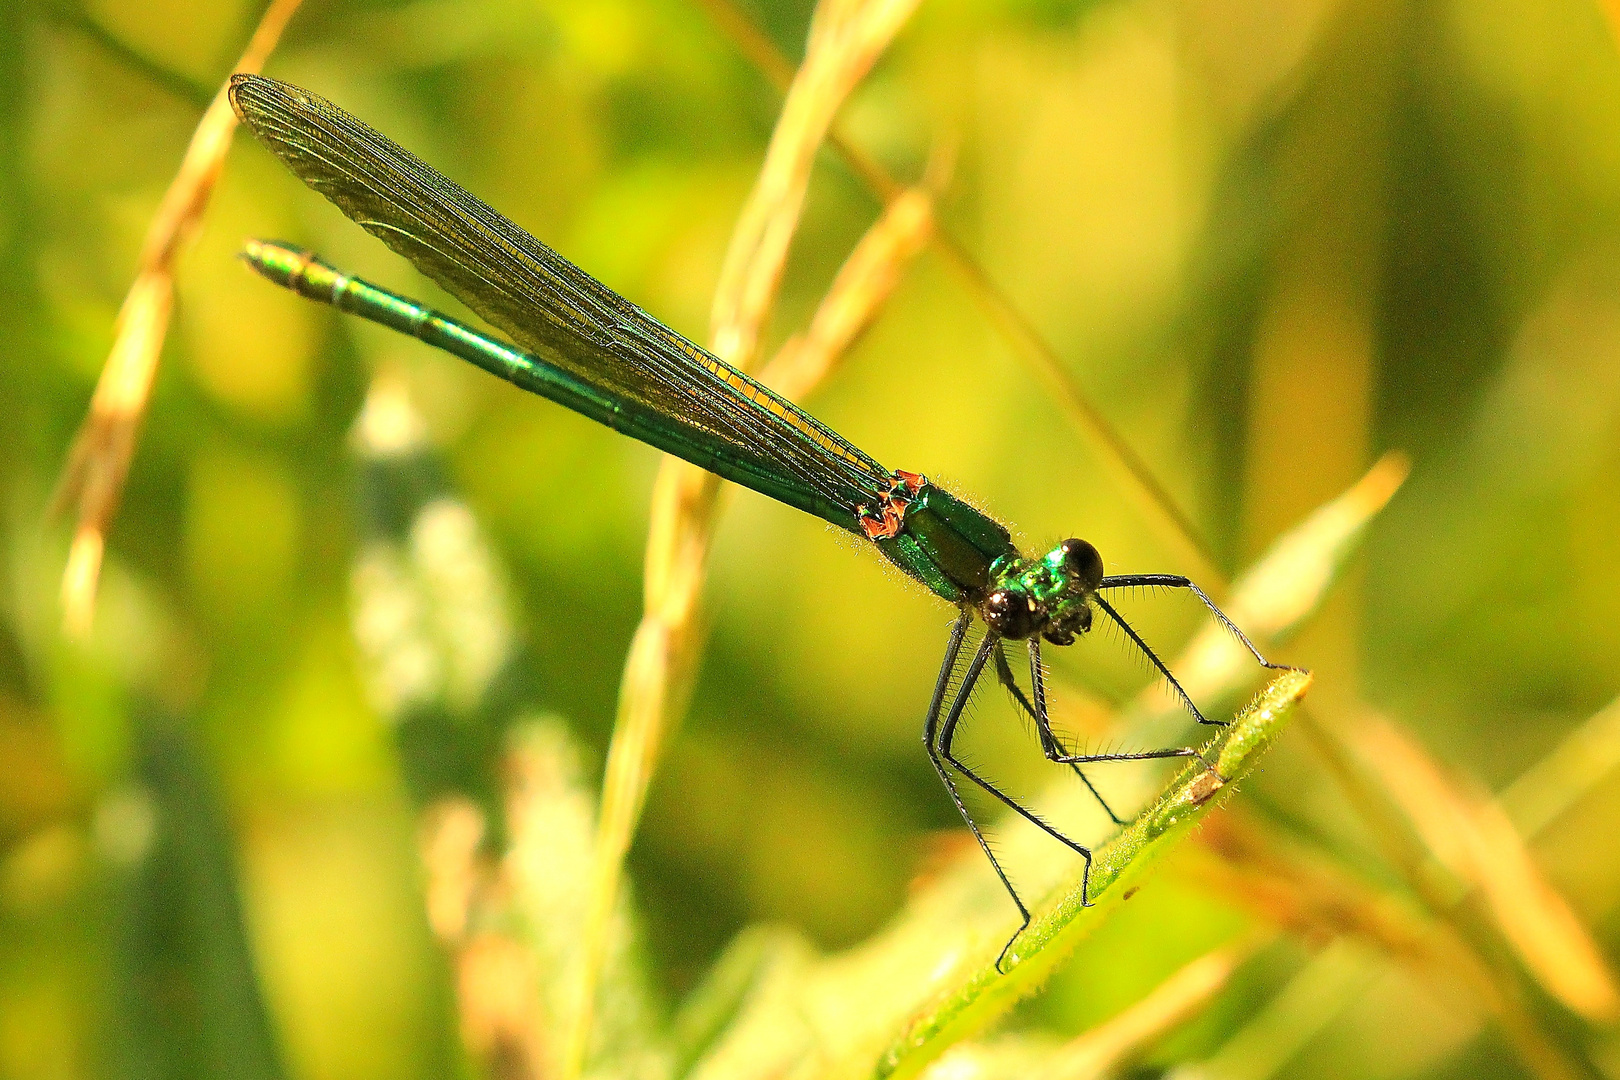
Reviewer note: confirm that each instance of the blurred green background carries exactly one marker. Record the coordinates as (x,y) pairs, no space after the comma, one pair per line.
(1272,238)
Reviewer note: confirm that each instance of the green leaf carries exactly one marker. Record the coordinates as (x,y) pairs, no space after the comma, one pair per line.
(1063,923)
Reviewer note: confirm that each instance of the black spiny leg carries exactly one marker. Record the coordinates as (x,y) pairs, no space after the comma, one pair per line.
(1087,759)
(1176,581)
(1050,746)
(930,741)
(1186,699)
(947,736)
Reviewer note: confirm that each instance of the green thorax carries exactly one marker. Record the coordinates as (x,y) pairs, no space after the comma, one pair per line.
(968,558)
(938,539)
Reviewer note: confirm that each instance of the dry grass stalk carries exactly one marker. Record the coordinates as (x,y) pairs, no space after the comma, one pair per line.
(1549,788)
(1434,825)
(1494,983)
(1293,570)
(863,284)
(1471,836)
(846,38)
(1138,479)
(1306,896)
(1291,889)
(99,459)
(1280,591)
(1276,593)
(1105,1048)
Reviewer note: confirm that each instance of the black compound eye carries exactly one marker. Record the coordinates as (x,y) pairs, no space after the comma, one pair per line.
(1084,561)
(1011,614)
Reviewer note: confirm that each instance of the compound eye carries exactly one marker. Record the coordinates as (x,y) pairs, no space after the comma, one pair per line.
(1011,614)
(1084,561)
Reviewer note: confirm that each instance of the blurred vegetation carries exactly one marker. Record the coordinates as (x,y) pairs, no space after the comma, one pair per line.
(1270,239)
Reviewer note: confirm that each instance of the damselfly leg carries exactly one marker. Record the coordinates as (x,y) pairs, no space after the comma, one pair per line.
(1050,746)
(948,705)
(939,738)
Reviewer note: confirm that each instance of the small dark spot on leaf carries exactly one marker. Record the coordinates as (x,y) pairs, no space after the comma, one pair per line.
(1130,892)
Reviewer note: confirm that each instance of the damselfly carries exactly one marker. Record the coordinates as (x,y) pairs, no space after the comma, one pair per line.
(584,346)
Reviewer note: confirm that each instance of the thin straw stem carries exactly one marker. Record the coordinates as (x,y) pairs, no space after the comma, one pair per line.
(98,462)
(846,38)
(1139,480)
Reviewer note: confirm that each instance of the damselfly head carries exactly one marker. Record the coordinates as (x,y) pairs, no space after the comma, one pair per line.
(1049,596)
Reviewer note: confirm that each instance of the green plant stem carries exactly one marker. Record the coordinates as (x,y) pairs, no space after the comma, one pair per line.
(1064,922)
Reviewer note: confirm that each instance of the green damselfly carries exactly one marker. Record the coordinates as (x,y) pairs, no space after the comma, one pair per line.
(584,346)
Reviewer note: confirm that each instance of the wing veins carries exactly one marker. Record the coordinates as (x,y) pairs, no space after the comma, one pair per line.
(514,275)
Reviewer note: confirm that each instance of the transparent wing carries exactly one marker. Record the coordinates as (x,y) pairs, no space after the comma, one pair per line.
(554,309)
